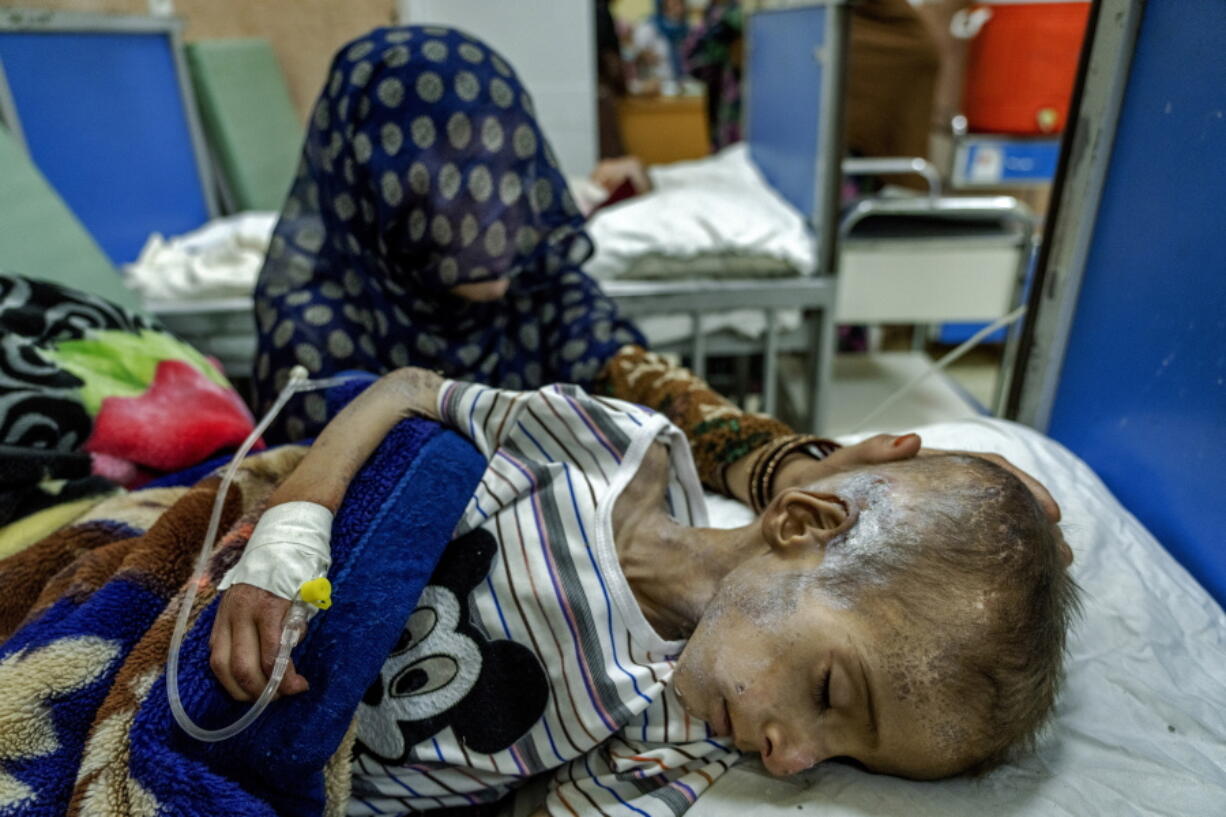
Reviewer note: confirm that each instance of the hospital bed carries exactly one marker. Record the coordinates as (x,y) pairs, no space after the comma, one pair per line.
(1140,726)
(791,315)
(771,212)
(916,259)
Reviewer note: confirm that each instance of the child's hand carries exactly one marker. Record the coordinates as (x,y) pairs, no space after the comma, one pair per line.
(246,636)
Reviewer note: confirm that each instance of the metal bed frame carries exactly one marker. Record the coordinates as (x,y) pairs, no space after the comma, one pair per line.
(815,339)
(983,209)
(791,46)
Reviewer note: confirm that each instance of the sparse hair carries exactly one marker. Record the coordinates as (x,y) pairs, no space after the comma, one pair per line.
(977,566)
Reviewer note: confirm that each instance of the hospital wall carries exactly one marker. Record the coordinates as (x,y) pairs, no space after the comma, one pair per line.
(304,33)
(536,36)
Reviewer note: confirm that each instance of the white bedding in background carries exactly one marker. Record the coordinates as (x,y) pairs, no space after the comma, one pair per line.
(1141,726)
(662,330)
(717,206)
(220,260)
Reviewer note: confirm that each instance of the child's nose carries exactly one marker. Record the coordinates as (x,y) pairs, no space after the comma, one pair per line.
(783,756)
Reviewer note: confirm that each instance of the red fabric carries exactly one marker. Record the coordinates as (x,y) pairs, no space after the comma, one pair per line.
(181,420)
(1021,67)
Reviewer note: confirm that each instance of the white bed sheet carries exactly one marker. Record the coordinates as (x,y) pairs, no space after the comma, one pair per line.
(1141,725)
(662,330)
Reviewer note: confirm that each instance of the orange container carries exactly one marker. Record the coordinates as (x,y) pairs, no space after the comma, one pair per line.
(1021,65)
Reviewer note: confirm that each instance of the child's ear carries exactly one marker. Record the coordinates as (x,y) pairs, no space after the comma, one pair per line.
(801,520)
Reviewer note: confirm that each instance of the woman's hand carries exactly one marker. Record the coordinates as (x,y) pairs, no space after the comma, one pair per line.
(800,469)
(244,643)
(1041,494)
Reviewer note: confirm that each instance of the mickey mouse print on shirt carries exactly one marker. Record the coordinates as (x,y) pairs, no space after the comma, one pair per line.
(444,672)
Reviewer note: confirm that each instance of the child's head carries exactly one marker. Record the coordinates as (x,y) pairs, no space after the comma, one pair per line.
(909,616)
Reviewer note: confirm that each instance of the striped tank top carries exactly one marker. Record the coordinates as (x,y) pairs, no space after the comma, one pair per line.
(527,653)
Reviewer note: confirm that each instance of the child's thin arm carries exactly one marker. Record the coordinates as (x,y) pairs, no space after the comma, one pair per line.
(246,632)
(352,436)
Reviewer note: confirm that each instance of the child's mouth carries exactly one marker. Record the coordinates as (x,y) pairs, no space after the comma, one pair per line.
(722,720)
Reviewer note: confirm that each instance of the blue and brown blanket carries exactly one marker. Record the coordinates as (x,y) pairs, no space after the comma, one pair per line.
(86,617)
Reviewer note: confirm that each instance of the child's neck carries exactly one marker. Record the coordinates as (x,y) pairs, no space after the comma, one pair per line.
(672,569)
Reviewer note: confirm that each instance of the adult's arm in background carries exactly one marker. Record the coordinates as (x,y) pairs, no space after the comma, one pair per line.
(727,441)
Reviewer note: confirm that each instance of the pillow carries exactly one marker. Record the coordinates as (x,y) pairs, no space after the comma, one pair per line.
(717,207)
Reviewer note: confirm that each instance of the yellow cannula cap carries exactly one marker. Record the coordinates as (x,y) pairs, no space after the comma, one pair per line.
(317,592)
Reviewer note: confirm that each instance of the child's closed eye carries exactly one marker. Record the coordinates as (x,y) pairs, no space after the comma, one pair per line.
(823,694)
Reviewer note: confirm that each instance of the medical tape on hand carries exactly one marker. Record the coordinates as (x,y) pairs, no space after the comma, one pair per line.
(291,544)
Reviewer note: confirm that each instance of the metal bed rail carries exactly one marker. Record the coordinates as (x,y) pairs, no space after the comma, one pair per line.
(1006,209)
(813,296)
(896,166)
(225,327)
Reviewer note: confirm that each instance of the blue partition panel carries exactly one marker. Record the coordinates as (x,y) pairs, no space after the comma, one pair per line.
(784,82)
(104,118)
(1142,394)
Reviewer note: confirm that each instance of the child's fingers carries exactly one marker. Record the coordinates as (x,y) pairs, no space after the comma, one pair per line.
(219,660)
(292,683)
(269,627)
(270,645)
(245,658)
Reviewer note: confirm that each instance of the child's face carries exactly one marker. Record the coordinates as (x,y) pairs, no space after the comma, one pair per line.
(801,677)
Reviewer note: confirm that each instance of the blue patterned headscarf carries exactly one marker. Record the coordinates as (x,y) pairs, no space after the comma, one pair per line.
(424,168)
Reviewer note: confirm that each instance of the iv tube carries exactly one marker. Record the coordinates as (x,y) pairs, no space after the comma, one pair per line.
(970,343)
(294,625)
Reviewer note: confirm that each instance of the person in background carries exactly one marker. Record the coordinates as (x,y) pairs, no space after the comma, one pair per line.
(713,56)
(429,225)
(892,68)
(610,81)
(656,47)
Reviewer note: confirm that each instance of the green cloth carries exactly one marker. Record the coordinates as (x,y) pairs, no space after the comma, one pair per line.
(252,128)
(41,238)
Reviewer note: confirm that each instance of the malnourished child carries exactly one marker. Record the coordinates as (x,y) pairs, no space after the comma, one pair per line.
(907,612)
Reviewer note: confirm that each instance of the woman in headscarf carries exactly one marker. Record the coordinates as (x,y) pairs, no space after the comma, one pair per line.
(656,45)
(429,225)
